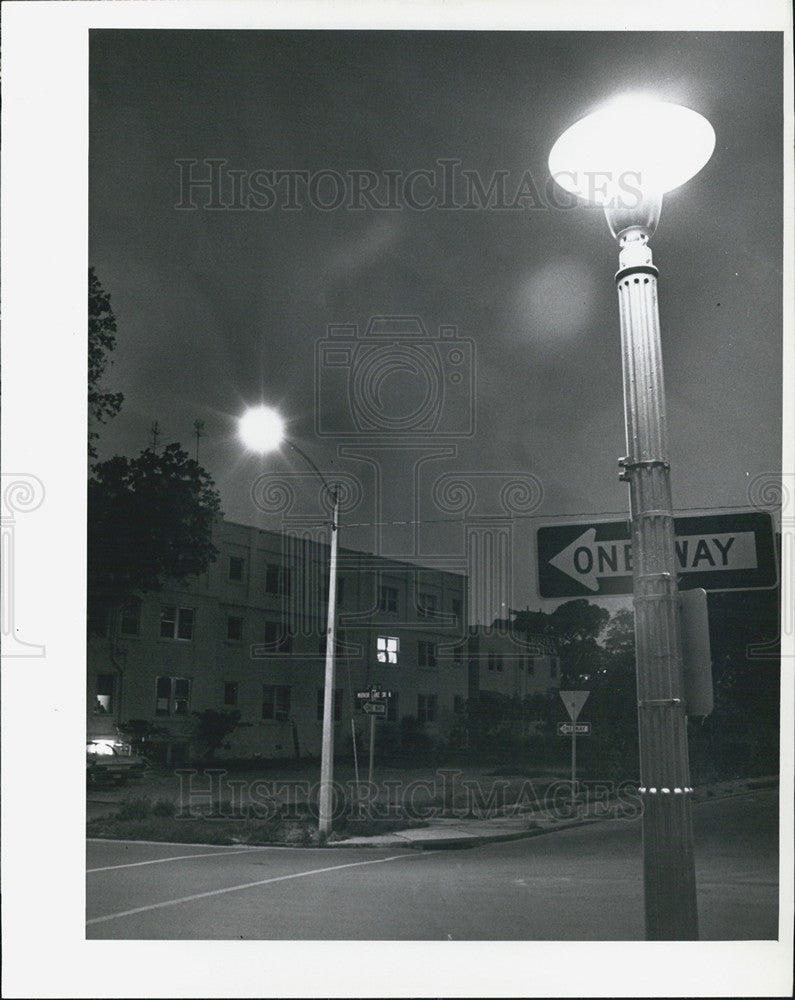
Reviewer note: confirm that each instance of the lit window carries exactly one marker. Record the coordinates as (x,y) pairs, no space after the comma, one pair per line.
(176,623)
(131,617)
(426,654)
(172,696)
(234,628)
(426,708)
(388,600)
(103,703)
(276,702)
(237,568)
(387,649)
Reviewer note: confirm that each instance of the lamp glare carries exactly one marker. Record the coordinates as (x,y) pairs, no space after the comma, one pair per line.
(261,429)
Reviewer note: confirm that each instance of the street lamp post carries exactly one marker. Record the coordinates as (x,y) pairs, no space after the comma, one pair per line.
(262,429)
(624,158)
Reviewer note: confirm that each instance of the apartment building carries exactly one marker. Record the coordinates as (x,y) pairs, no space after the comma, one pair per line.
(249,635)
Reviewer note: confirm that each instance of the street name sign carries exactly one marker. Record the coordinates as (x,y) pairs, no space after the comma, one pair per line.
(374,707)
(580,728)
(734,551)
(574,700)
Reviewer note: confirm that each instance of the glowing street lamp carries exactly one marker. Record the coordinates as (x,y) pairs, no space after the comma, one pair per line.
(262,429)
(624,158)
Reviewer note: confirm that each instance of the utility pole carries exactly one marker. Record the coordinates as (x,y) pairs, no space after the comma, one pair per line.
(198,430)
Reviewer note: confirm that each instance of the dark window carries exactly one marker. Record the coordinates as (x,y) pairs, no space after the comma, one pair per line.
(103,703)
(234,628)
(237,568)
(131,617)
(531,666)
(277,579)
(456,607)
(276,702)
(426,708)
(176,623)
(458,654)
(338,692)
(277,638)
(459,704)
(426,605)
(553,666)
(230,693)
(426,654)
(388,600)
(172,696)
(492,661)
(499,663)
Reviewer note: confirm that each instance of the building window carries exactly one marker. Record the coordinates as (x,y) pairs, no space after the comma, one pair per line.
(340,590)
(131,617)
(276,702)
(278,579)
(456,607)
(426,605)
(237,569)
(495,662)
(172,696)
(553,666)
(426,708)
(277,638)
(386,649)
(234,628)
(458,655)
(459,704)
(426,654)
(103,702)
(339,643)
(531,665)
(392,704)
(230,694)
(337,704)
(176,623)
(388,599)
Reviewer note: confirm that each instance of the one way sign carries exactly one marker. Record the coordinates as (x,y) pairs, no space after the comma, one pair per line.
(715,551)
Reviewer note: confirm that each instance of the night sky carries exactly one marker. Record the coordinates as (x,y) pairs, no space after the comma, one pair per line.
(221,308)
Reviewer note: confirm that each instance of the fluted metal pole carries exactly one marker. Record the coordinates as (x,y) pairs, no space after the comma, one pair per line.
(668,859)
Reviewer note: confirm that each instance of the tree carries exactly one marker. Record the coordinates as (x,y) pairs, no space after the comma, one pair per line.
(150,519)
(102,406)
(213,727)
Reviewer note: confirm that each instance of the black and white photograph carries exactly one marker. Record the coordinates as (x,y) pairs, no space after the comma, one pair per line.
(404,516)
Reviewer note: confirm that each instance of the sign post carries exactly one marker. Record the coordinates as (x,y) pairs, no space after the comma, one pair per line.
(374,705)
(574,700)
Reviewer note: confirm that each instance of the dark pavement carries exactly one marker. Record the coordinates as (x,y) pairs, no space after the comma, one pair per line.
(577,884)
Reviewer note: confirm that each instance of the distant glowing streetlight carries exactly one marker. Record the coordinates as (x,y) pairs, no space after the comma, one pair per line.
(624,158)
(262,429)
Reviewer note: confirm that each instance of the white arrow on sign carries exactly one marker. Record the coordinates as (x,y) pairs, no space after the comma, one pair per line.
(574,700)
(587,560)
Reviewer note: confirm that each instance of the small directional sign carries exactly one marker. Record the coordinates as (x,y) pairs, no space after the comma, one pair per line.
(374,694)
(580,728)
(716,551)
(374,708)
(574,700)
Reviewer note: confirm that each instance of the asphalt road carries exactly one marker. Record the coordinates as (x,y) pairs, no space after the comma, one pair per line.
(580,884)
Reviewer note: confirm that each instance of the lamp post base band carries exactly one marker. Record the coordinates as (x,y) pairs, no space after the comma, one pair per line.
(625,272)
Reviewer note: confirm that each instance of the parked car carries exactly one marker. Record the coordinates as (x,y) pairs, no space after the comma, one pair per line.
(112,762)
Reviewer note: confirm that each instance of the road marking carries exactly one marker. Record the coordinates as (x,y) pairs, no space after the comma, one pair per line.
(178,857)
(248,885)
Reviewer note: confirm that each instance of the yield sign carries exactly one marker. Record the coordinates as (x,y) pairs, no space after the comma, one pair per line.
(574,700)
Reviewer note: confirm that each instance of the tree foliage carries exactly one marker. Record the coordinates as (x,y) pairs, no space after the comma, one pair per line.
(102,406)
(150,519)
(212,728)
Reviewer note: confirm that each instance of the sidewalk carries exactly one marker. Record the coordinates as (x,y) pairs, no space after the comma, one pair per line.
(445,832)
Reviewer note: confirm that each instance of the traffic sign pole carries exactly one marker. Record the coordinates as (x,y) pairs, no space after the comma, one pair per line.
(372,749)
